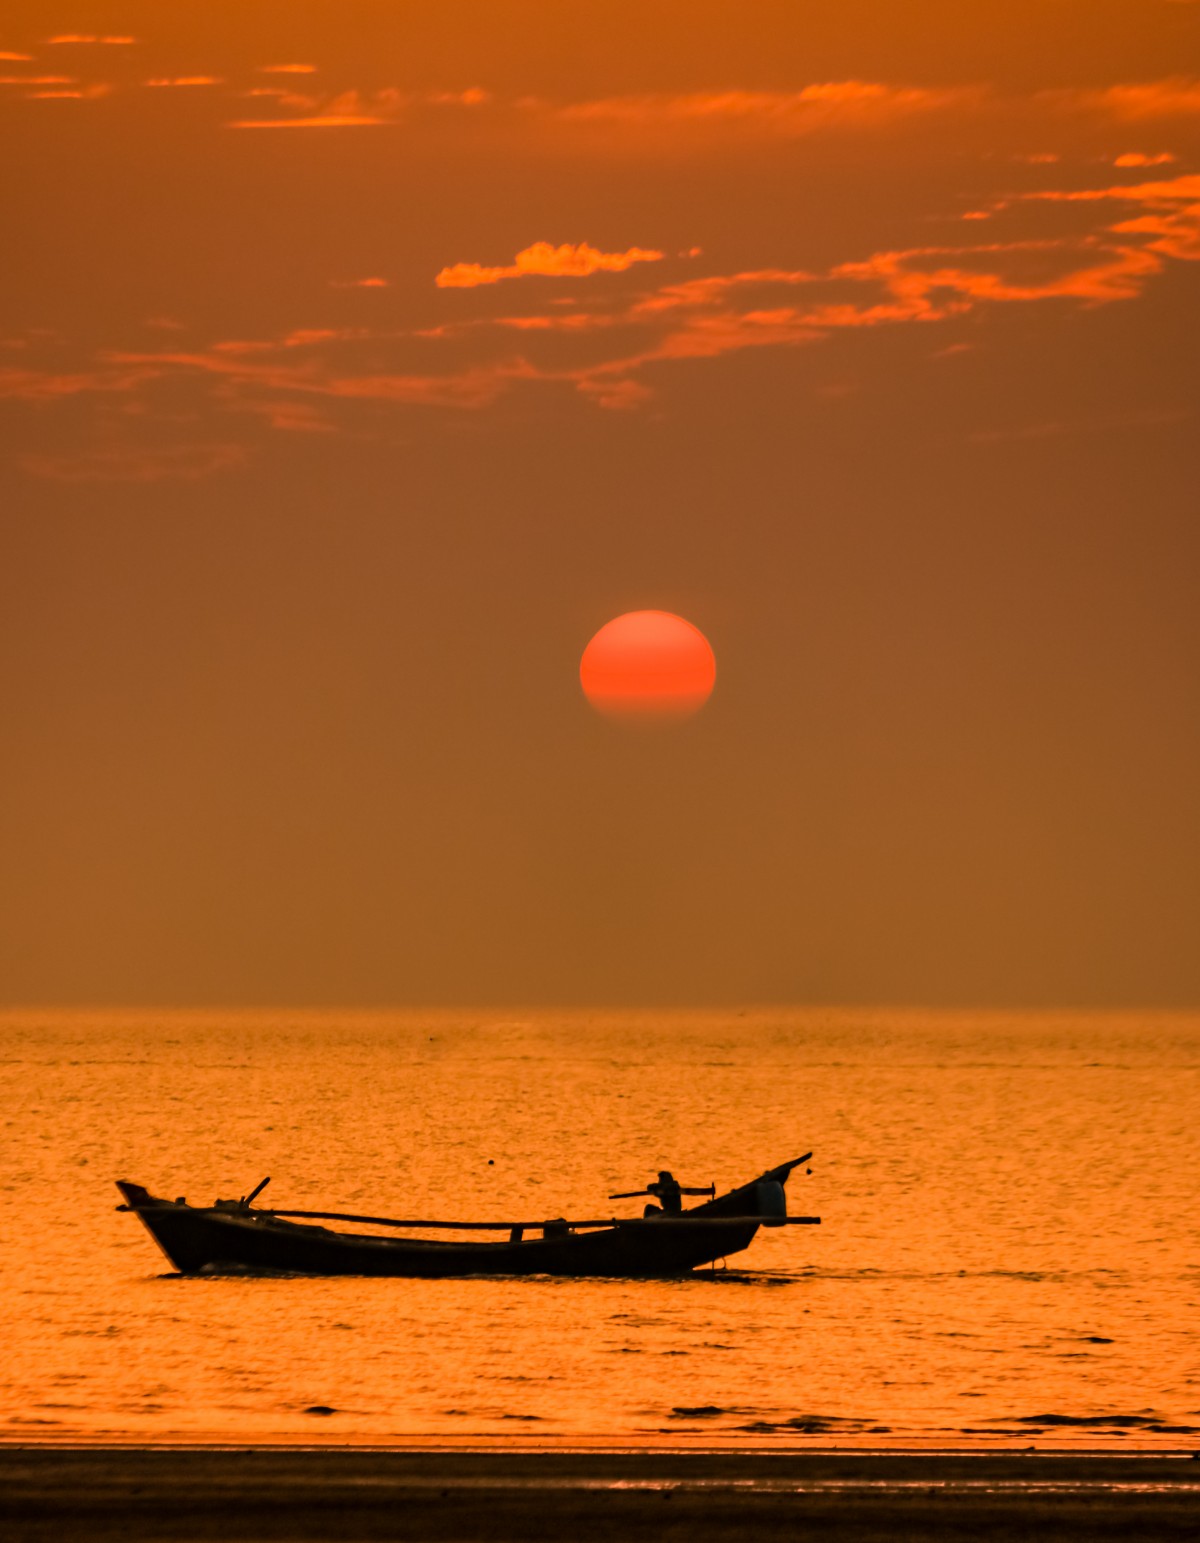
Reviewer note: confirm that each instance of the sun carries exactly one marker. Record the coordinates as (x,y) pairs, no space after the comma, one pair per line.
(648,665)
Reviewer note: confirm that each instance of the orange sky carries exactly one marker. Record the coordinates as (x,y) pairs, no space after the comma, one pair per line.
(359,361)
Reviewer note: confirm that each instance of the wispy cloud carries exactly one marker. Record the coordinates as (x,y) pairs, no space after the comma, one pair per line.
(1177,96)
(252,371)
(810,107)
(719,314)
(570,260)
(827,104)
(185,80)
(136,463)
(1136,158)
(354,109)
(78,38)
(473,96)
(1171,227)
(616,343)
(1101,423)
(291,416)
(281,97)
(348,110)
(90,93)
(50,385)
(685,122)
(616,393)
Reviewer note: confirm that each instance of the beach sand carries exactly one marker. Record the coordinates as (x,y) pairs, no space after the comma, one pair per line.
(292,1495)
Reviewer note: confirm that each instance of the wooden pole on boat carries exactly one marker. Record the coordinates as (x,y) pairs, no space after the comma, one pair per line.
(684,1189)
(591,1222)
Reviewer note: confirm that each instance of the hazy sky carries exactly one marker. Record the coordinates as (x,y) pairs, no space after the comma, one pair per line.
(360,360)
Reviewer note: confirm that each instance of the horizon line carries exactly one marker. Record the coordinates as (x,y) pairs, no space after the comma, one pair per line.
(736,1006)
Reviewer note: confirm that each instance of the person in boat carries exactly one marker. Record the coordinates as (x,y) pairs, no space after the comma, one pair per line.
(668,1191)
(670,1194)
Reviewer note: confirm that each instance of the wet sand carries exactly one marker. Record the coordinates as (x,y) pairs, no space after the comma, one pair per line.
(294,1496)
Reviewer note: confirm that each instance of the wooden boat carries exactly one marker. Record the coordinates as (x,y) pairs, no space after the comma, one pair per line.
(233,1237)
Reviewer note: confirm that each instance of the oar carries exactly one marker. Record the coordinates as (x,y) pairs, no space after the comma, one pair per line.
(606,1221)
(632,1194)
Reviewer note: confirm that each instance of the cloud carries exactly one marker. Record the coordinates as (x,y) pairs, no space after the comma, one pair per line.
(89,37)
(473,96)
(136,463)
(185,80)
(690,293)
(1080,273)
(44,386)
(279,380)
(1152,417)
(249,373)
(1172,223)
(11,58)
(1136,158)
(614,344)
(557,321)
(353,109)
(280,97)
(72,94)
(543,260)
(616,395)
(349,110)
(322,121)
(719,314)
(936,283)
(282,380)
(291,417)
(287,69)
(819,105)
(1177,96)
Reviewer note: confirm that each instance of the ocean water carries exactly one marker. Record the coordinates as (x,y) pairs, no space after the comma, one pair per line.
(1009,1253)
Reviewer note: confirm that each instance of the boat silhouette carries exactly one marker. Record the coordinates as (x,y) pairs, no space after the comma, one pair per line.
(235,1237)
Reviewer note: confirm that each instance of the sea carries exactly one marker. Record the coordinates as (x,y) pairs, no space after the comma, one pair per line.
(1008,1255)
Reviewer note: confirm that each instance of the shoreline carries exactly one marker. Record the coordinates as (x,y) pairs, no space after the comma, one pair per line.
(300,1495)
(647,1445)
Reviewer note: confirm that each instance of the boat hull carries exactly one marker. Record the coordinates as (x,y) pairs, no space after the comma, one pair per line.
(207,1241)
